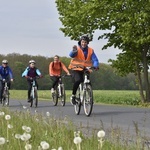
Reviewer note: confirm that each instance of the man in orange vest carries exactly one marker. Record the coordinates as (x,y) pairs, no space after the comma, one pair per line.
(82,56)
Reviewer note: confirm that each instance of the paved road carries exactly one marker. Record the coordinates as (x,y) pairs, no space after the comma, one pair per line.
(116,117)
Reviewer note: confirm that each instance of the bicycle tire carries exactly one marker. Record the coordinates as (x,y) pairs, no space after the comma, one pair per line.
(55,97)
(88,100)
(77,106)
(63,96)
(35,97)
(5,99)
(31,97)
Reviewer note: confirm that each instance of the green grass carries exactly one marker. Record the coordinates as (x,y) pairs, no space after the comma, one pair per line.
(100,96)
(57,133)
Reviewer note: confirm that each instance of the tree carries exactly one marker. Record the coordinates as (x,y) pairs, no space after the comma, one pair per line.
(127,23)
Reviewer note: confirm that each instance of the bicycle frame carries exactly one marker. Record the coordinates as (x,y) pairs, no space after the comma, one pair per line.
(85,96)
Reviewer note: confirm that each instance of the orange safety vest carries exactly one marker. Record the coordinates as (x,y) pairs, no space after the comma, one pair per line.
(79,61)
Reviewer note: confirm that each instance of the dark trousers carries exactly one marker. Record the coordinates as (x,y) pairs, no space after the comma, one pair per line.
(78,77)
(54,80)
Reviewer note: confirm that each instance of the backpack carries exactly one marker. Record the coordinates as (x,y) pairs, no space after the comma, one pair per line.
(59,64)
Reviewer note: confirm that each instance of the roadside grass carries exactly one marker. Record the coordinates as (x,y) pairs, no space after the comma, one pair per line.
(25,130)
(121,97)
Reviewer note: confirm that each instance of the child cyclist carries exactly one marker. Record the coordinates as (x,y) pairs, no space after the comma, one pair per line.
(29,73)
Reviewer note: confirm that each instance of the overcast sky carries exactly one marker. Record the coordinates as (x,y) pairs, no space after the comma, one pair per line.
(32,27)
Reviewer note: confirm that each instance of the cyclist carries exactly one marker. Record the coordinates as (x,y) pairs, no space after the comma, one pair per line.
(82,56)
(55,69)
(5,74)
(31,72)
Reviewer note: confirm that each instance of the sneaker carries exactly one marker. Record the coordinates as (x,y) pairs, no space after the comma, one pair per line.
(52,90)
(73,99)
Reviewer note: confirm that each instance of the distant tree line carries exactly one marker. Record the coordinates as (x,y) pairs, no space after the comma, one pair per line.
(103,79)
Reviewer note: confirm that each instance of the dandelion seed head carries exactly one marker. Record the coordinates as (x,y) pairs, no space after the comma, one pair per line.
(47,114)
(2,113)
(24,107)
(28,129)
(7,117)
(101,134)
(24,127)
(10,126)
(44,145)
(17,136)
(25,136)
(60,148)
(28,147)
(2,140)
(77,140)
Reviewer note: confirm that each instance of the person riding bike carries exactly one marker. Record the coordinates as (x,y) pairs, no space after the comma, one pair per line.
(82,56)
(55,69)
(5,74)
(29,73)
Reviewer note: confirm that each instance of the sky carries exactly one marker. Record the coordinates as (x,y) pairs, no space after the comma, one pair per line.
(32,27)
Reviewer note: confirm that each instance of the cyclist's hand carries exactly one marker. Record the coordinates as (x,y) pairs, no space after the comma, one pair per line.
(74,48)
(96,68)
(68,74)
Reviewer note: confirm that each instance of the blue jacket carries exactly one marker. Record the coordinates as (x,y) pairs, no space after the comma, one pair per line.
(85,51)
(26,71)
(6,72)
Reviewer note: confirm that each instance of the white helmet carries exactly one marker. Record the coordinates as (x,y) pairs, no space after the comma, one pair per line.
(5,61)
(31,61)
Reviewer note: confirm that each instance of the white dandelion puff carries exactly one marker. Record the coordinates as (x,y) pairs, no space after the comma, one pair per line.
(10,126)
(2,113)
(60,148)
(24,107)
(44,145)
(2,140)
(28,129)
(47,114)
(24,127)
(25,136)
(77,140)
(28,147)
(7,117)
(101,134)
(17,136)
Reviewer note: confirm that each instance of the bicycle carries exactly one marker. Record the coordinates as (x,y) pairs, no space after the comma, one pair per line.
(59,92)
(34,93)
(6,94)
(84,96)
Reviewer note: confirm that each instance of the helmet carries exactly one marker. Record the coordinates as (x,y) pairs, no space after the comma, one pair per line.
(5,61)
(85,38)
(31,61)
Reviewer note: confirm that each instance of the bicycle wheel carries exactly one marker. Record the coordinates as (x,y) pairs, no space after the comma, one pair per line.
(77,106)
(63,95)
(55,97)
(88,100)
(31,97)
(5,99)
(35,97)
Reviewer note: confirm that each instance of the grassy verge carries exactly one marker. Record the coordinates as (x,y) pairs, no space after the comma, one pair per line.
(21,130)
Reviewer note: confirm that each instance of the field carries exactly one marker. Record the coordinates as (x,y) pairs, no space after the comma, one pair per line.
(100,96)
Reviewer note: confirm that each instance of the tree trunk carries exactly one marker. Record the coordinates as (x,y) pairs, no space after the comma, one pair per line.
(146,81)
(138,74)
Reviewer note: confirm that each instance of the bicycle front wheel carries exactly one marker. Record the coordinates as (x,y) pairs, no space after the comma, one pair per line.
(35,97)
(5,99)
(55,97)
(63,96)
(77,106)
(88,100)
